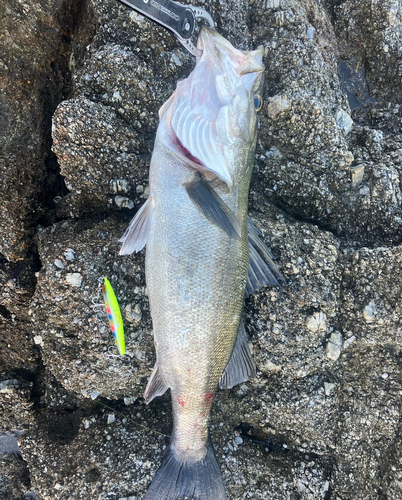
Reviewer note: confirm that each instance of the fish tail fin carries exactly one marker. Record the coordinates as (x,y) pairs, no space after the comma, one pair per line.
(177,479)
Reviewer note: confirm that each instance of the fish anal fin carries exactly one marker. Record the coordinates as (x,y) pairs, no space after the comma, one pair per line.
(262,268)
(210,204)
(241,365)
(156,385)
(136,235)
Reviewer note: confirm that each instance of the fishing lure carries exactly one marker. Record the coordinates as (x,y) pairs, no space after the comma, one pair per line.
(114,315)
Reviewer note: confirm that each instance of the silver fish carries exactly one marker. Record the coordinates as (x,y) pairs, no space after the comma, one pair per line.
(202,255)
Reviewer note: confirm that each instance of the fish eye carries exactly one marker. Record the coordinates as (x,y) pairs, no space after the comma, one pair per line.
(257,102)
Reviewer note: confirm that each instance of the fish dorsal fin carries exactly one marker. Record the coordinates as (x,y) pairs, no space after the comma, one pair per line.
(210,204)
(262,269)
(136,235)
(156,385)
(241,365)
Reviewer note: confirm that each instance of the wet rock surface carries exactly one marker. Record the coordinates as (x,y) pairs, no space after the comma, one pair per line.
(323,157)
(322,418)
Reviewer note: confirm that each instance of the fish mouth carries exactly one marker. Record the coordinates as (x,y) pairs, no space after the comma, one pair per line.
(213,44)
(209,37)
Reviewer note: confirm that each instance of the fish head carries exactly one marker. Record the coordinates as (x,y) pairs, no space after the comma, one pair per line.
(211,119)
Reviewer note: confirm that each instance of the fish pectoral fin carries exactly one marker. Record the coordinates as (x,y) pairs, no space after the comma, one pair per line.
(156,385)
(241,365)
(262,269)
(210,204)
(136,235)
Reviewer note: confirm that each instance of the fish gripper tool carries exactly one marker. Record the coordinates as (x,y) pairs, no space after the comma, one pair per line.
(178,18)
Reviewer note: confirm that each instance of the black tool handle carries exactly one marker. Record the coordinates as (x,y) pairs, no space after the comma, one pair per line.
(178,18)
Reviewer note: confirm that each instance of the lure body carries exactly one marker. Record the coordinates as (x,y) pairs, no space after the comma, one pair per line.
(114,315)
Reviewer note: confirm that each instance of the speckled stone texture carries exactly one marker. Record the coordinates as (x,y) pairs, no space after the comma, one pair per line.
(69,320)
(322,418)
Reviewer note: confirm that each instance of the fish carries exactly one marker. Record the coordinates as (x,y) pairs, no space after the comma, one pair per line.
(114,315)
(203,254)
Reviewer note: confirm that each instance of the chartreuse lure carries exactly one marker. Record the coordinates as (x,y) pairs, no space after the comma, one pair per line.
(114,315)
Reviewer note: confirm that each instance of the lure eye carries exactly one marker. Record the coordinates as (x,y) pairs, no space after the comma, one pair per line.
(257,102)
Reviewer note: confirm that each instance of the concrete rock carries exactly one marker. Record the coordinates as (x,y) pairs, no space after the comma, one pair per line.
(110,162)
(15,403)
(310,147)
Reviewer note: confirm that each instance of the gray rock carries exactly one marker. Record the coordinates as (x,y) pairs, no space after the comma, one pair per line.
(322,417)
(15,404)
(334,346)
(35,77)
(8,444)
(14,476)
(307,151)
(69,316)
(111,153)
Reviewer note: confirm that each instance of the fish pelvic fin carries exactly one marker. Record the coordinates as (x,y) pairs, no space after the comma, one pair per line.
(210,204)
(262,269)
(156,385)
(136,235)
(241,365)
(176,479)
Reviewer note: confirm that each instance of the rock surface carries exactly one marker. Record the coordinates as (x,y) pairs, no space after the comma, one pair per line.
(70,324)
(39,41)
(322,418)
